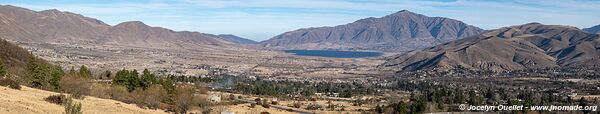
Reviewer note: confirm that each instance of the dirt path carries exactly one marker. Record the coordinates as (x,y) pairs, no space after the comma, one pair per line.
(31,101)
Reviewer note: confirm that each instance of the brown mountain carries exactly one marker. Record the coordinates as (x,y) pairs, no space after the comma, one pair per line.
(48,26)
(400,31)
(237,39)
(594,29)
(526,46)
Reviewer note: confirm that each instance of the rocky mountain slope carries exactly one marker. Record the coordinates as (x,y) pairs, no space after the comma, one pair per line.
(594,29)
(53,26)
(532,45)
(237,39)
(401,31)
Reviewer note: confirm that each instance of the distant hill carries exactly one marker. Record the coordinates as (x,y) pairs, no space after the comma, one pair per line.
(532,45)
(401,31)
(594,29)
(53,26)
(237,39)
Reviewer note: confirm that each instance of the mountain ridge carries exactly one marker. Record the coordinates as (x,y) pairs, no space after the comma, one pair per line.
(237,39)
(24,25)
(527,46)
(403,30)
(594,29)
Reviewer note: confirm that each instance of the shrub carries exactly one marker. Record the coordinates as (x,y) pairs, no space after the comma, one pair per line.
(297,105)
(56,99)
(72,107)
(76,85)
(100,90)
(266,105)
(118,92)
(10,84)
(231,97)
(265,113)
(184,98)
(258,101)
(151,97)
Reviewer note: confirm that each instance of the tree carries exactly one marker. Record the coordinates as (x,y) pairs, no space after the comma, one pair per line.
(121,77)
(419,106)
(378,109)
(43,75)
(474,98)
(3,72)
(148,79)
(56,77)
(84,71)
(402,108)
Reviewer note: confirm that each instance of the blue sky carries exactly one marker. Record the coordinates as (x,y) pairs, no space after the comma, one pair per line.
(263,19)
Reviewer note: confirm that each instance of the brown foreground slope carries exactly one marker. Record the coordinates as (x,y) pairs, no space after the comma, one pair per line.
(31,101)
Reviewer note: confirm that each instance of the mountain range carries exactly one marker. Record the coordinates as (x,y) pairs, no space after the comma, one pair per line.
(236,39)
(594,29)
(54,26)
(527,46)
(400,31)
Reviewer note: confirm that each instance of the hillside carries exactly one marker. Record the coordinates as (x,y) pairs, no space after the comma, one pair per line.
(54,26)
(236,39)
(31,101)
(527,46)
(594,29)
(401,31)
(15,58)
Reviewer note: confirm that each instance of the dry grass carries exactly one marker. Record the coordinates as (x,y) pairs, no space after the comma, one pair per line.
(10,83)
(31,101)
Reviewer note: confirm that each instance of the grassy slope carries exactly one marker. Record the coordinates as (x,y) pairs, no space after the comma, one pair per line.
(31,101)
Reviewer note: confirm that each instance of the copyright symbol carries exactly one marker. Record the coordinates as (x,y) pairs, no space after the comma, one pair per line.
(462,106)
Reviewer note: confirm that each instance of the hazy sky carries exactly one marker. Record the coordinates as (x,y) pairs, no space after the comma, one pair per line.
(263,19)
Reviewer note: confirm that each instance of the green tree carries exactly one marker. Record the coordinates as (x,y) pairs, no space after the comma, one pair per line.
(3,71)
(84,71)
(57,74)
(419,106)
(129,79)
(148,79)
(402,108)
(121,77)
(474,98)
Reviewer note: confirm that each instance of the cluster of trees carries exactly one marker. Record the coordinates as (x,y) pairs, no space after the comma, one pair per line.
(284,88)
(43,75)
(147,89)
(132,80)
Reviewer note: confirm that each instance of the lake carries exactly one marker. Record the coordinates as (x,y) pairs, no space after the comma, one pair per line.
(334,53)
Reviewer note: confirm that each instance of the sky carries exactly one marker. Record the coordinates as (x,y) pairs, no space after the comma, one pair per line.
(262,19)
